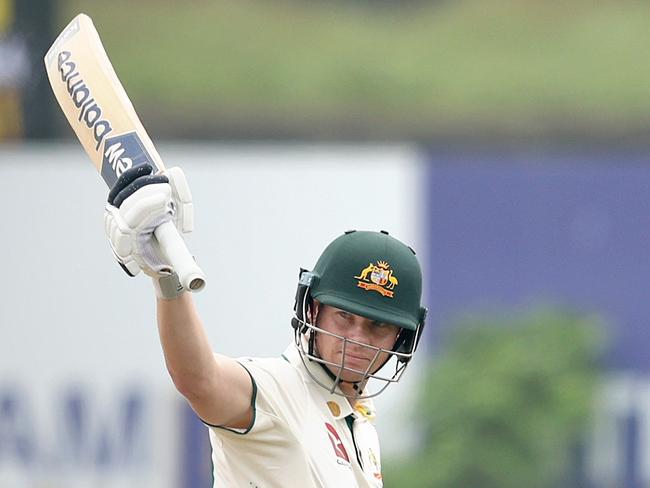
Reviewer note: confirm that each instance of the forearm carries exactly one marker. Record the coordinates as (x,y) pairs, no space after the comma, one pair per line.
(188,354)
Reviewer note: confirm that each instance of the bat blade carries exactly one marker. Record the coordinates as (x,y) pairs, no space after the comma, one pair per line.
(95,103)
(105,122)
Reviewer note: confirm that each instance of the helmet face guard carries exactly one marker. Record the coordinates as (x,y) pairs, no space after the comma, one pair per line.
(346,278)
(371,383)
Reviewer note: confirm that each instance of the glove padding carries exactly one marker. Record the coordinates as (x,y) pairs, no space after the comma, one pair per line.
(138,203)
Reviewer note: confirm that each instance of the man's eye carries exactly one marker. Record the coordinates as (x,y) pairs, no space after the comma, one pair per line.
(344,315)
(384,328)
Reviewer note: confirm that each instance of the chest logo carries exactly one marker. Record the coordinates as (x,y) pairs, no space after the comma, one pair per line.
(337,444)
(378,277)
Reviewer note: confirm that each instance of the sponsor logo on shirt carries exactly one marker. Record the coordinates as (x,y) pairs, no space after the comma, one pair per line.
(337,444)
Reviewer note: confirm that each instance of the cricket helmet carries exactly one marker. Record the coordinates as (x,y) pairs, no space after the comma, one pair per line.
(373,275)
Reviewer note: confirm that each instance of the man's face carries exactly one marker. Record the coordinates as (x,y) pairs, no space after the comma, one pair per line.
(356,328)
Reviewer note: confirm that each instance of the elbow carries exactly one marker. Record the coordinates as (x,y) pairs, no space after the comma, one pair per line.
(193,386)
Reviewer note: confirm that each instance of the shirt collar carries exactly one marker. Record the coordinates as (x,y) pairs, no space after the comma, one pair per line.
(338,405)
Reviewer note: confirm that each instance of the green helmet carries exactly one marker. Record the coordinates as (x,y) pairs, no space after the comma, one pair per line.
(373,275)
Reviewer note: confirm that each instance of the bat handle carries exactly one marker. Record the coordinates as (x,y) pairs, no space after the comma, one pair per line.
(173,246)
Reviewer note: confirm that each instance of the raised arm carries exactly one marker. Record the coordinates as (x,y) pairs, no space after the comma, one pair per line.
(217,387)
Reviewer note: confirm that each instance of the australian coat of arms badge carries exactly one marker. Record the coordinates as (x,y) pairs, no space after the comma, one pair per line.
(378,277)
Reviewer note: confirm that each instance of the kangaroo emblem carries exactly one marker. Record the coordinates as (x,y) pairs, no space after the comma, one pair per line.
(366,271)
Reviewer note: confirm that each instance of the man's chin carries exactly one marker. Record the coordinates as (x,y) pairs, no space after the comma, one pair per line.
(348,376)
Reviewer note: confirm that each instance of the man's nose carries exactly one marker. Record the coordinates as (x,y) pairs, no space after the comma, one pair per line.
(359,331)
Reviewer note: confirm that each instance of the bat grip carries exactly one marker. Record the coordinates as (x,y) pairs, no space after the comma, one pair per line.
(174,248)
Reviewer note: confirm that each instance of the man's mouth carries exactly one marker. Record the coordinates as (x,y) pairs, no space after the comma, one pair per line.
(358,358)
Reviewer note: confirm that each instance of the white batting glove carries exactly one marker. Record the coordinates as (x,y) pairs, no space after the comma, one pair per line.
(137,204)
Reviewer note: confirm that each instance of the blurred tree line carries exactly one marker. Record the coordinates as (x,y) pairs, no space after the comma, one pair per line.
(505,404)
(476,70)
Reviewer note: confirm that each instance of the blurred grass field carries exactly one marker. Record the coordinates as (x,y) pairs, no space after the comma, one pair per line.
(410,69)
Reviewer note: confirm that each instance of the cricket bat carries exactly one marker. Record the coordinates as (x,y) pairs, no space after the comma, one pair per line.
(101,114)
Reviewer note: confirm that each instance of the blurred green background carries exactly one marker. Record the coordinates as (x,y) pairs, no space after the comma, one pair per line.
(506,404)
(466,70)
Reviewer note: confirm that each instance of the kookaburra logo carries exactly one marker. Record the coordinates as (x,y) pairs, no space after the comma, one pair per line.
(378,277)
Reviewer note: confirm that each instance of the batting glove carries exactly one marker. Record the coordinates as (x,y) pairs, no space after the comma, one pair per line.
(138,203)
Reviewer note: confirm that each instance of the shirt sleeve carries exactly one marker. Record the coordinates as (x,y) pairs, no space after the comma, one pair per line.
(278,395)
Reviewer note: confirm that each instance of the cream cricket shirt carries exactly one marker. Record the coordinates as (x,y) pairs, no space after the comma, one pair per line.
(300,436)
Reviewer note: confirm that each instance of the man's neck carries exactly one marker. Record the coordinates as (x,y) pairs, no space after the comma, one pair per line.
(351,392)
